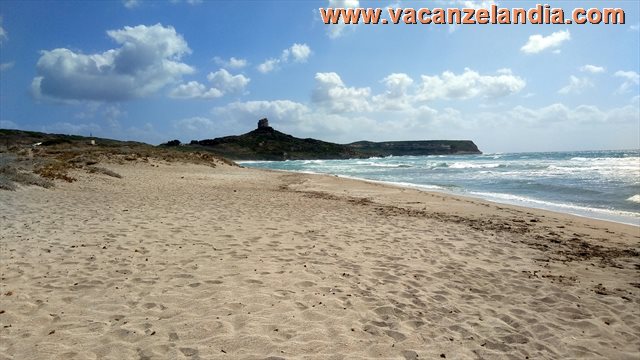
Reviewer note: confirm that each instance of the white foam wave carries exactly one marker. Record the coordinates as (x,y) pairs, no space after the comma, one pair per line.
(403,184)
(385,165)
(634,198)
(306,162)
(240,162)
(466,165)
(437,165)
(569,208)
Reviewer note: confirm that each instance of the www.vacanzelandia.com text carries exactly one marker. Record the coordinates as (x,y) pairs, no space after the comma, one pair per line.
(539,14)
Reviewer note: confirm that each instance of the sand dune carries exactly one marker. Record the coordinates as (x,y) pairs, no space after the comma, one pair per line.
(192,262)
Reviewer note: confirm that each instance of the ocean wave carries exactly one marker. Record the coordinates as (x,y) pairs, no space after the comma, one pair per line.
(467,165)
(437,165)
(384,165)
(634,198)
(606,160)
(406,184)
(252,162)
(571,208)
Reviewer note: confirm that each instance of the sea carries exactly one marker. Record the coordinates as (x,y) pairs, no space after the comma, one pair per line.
(596,184)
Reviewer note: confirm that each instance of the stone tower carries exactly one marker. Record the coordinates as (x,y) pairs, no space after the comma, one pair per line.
(263,123)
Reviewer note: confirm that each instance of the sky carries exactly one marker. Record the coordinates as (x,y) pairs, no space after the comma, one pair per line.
(154,71)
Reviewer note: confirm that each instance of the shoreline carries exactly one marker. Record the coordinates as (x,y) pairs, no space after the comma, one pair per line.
(619,216)
(187,261)
(464,198)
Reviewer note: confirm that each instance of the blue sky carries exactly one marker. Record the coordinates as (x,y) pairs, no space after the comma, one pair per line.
(154,71)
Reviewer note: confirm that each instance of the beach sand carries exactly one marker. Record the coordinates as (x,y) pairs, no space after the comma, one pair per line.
(187,261)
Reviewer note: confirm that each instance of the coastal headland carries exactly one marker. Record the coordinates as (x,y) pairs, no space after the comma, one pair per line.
(267,143)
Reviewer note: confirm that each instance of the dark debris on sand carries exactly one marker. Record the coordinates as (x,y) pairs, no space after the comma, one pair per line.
(558,244)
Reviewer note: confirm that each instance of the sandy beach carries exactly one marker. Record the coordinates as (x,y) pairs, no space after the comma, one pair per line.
(181,261)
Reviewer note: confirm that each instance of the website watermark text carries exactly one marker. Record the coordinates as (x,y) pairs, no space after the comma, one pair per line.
(538,15)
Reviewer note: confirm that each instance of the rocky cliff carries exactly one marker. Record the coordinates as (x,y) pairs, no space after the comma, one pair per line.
(422,147)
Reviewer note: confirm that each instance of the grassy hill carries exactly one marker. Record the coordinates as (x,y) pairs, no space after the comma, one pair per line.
(267,143)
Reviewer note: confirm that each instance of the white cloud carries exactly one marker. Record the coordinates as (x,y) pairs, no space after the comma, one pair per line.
(298,52)
(396,97)
(6,66)
(344,3)
(629,75)
(147,60)
(545,128)
(130,4)
(576,85)
(631,79)
(339,112)
(397,84)
(268,65)
(232,63)
(469,84)
(560,113)
(225,82)
(3,33)
(222,81)
(635,27)
(194,125)
(538,43)
(331,93)
(284,114)
(335,31)
(276,109)
(593,69)
(195,90)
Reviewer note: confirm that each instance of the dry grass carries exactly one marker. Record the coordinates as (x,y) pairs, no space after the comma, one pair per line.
(56,158)
(56,171)
(10,176)
(101,170)
(6,184)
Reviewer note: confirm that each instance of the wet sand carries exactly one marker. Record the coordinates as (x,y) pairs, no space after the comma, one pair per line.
(191,262)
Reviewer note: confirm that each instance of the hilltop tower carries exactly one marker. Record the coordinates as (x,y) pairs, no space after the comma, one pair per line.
(263,123)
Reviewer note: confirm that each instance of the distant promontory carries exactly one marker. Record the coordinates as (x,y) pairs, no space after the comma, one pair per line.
(266,143)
